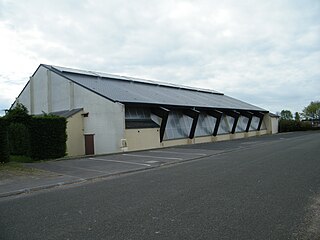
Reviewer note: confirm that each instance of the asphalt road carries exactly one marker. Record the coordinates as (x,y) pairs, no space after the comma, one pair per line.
(267,189)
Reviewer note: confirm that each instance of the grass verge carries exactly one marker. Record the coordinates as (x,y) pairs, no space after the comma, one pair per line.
(16,168)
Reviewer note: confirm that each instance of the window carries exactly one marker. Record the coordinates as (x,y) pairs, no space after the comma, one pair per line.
(137,113)
(242,124)
(178,126)
(226,124)
(205,125)
(139,117)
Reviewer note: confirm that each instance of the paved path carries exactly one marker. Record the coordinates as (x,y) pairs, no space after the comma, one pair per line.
(259,188)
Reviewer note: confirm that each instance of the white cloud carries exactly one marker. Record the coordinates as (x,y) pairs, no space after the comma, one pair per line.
(264,52)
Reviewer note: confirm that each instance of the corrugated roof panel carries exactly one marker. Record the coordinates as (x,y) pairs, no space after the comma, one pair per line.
(130,90)
(67,113)
(125,78)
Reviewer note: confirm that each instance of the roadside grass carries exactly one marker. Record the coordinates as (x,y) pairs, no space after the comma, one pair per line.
(21,159)
(16,168)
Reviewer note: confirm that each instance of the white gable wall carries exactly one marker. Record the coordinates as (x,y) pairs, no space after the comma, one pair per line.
(24,97)
(105,120)
(49,92)
(39,92)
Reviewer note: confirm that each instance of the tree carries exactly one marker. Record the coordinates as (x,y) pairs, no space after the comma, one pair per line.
(297,117)
(18,114)
(18,132)
(312,110)
(286,115)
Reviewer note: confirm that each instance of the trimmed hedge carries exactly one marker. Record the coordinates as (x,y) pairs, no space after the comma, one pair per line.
(4,143)
(19,141)
(47,137)
(292,125)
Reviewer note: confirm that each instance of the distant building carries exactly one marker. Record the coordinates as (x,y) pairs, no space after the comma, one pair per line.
(108,113)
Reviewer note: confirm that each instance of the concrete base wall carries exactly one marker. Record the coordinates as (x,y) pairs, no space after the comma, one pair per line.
(142,139)
(206,139)
(145,138)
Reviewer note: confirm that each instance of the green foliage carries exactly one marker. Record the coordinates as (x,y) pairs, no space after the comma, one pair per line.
(4,143)
(286,115)
(20,159)
(18,114)
(48,137)
(306,125)
(31,137)
(297,117)
(292,125)
(19,143)
(286,125)
(312,111)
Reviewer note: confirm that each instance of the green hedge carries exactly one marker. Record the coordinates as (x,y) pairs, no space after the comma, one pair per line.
(47,137)
(292,125)
(19,141)
(4,143)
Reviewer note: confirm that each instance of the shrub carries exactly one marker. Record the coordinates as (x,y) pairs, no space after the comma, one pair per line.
(292,125)
(18,114)
(48,137)
(306,126)
(19,143)
(288,125)
(4,143)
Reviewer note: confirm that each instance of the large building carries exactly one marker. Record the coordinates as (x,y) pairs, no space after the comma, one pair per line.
(108,113)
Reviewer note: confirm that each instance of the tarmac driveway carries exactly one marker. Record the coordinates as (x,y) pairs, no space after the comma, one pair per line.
(106,165)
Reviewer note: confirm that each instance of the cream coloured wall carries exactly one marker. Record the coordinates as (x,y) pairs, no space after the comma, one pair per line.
(274,125)
(139,139)
(271,123)
(204,139)
(176,142)
(75,140)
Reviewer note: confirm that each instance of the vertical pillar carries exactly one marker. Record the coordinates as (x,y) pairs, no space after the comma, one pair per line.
(248,115)
(194,114)
(235,115)
(261,116)
(71,95)
(218,115)
(49,92)
(163,113)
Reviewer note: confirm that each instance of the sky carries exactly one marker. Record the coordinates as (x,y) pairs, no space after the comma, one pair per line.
(266,53)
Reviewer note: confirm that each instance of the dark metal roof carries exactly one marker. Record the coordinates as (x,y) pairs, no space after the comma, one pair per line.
(139,91)
(67,113)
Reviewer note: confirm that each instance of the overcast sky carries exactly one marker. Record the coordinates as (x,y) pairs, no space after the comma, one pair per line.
(264,52)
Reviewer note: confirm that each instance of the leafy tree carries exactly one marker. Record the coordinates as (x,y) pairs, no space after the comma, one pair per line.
(312,110)
(18,114)
(297,117)
(18,132)
(286,115)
